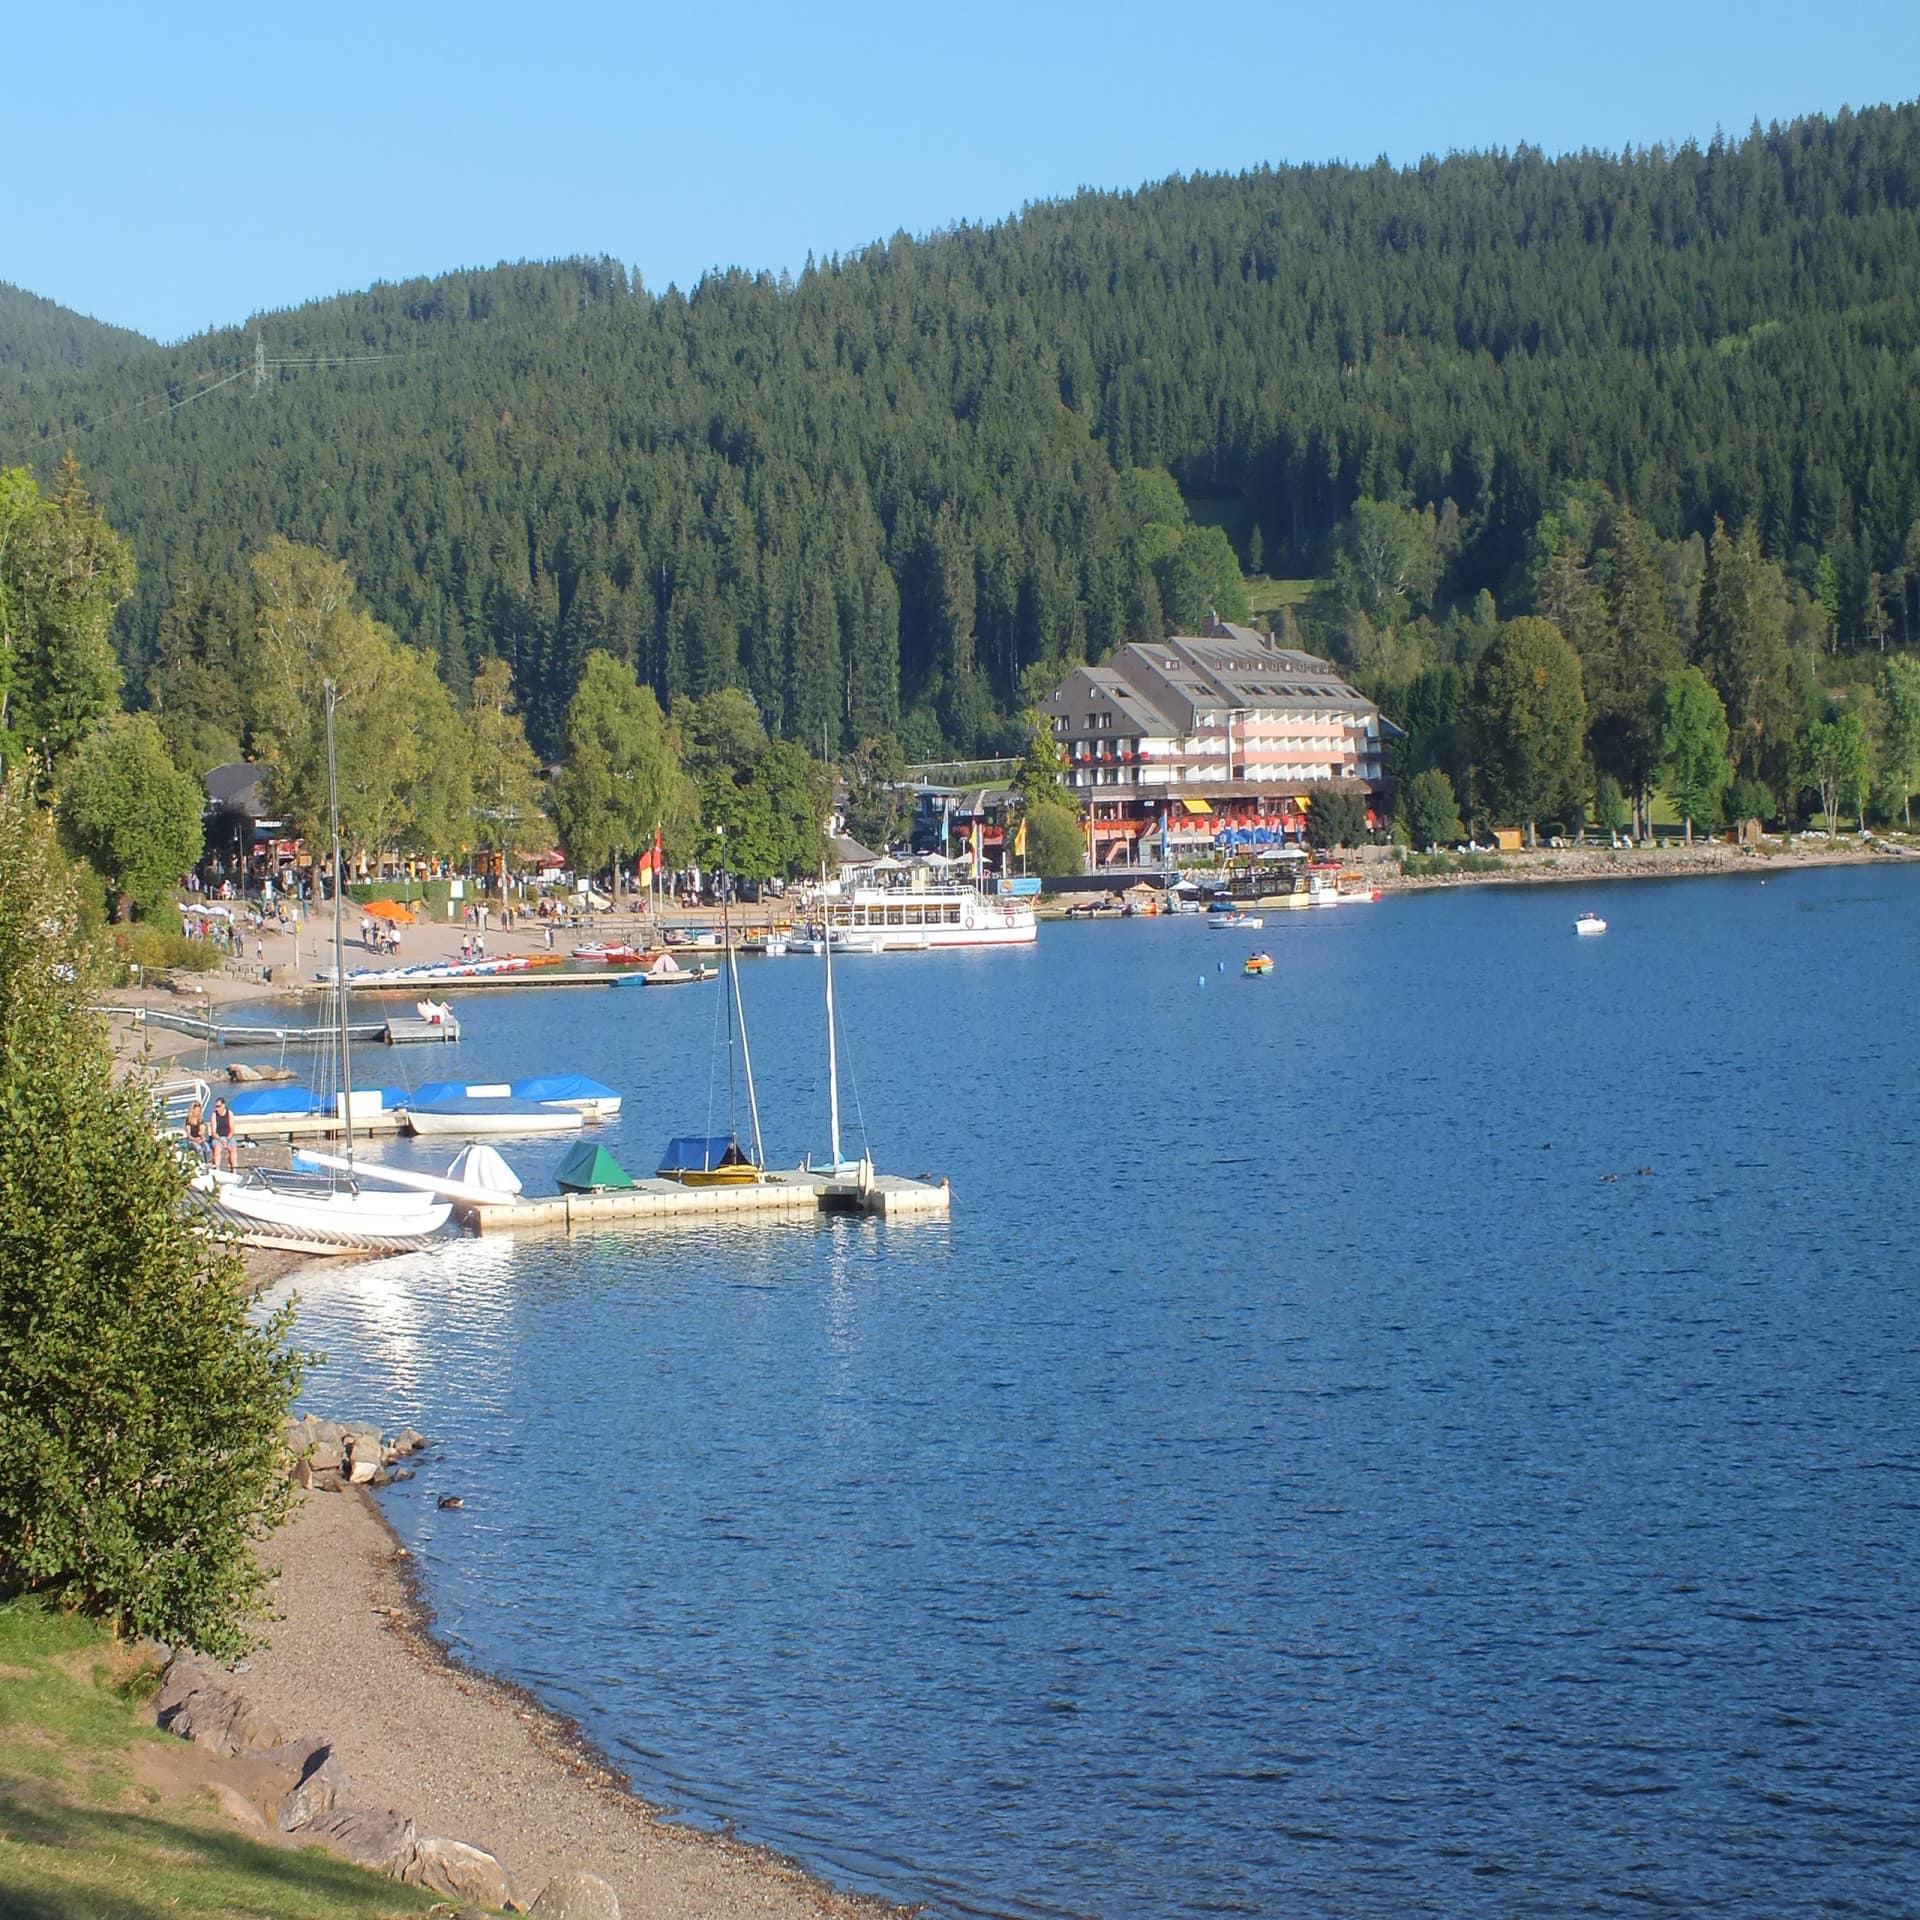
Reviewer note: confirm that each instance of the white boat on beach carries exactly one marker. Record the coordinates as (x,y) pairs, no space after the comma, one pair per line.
(269,1202)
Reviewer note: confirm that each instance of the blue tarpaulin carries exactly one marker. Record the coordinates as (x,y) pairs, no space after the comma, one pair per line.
(700,1153)
(562,1086)
(273,1100)
(263,1101)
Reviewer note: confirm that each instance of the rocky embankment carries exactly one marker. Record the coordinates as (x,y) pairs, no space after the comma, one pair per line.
(297,1783)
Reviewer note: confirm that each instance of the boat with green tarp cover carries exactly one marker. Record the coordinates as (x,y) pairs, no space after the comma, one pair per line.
(590,1168)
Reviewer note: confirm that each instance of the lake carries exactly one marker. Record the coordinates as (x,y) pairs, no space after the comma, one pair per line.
(1435,1430)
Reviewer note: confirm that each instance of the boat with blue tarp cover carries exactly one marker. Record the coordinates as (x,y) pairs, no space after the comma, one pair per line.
(298,1102)
(470,1116)
(707,1160)
(575,1090)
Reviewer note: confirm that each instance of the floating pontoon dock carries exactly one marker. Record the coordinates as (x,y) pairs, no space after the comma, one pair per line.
(797,1193)
(400,1032)
(438,987)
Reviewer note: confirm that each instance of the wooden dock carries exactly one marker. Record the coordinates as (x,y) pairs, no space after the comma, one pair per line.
(796,1193)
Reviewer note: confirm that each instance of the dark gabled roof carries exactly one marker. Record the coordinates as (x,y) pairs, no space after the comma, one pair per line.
(239,787)
(850,853)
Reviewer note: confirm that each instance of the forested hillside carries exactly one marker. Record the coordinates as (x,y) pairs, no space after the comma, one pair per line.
(879,496)
(37,334)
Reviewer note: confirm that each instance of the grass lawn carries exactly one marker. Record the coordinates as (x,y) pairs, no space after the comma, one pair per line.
(1268,596)
(86,1834)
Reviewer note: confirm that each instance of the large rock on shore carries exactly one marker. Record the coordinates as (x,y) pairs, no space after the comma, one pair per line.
(329,1453)
(381,1840)
(577,1896)
(198,1703)
(321,1787)
(460,1871)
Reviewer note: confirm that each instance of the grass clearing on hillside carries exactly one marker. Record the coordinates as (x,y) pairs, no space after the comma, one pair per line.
(81,1840)
(1266,595)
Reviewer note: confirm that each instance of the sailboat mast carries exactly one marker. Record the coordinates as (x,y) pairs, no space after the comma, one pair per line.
(726,940)
(833,1060)
(339,947)
(746,1055)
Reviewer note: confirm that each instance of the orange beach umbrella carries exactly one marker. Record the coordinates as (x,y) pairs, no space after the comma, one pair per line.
(389,910)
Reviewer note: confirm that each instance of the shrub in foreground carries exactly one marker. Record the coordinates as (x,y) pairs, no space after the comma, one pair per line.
(140,1402)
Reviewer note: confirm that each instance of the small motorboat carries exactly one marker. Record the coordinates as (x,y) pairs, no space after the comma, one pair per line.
(668,972)
(612,951)
(1588,924)
(1257,964)
(1236,921)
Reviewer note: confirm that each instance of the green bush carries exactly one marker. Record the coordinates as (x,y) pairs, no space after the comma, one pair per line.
(1055,843)
(141,1404)
(153,949)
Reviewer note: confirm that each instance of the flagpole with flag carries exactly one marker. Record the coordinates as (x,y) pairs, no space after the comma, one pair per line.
(1020,843)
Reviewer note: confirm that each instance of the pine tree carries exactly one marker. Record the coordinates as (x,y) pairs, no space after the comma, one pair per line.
(1743,648)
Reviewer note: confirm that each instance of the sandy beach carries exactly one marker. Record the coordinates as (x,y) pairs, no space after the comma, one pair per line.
(468,1758)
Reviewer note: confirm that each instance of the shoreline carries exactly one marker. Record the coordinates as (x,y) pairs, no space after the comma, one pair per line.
(354,1657)
(1707,860)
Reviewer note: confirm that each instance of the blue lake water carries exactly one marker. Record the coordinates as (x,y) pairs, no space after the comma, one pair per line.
(1298,1480)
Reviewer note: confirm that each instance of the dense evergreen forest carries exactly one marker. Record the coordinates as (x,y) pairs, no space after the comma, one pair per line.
(36,335)
(890,496)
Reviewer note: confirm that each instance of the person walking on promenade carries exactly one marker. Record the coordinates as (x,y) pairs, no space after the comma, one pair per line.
(223,1140)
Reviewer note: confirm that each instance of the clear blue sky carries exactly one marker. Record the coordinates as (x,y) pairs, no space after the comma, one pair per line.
(178,167)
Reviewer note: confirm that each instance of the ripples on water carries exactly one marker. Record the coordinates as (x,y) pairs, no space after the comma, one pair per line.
(1298,1480)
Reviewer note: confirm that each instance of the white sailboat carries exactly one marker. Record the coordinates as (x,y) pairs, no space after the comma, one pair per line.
(326,1210)
(838,1166)
(719,1160)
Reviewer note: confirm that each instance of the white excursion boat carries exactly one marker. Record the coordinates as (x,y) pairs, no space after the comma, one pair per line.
(911,919)
(1588,924)
(1324,885)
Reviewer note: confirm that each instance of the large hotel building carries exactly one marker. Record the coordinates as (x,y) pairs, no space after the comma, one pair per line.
(1207,740)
